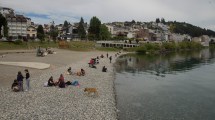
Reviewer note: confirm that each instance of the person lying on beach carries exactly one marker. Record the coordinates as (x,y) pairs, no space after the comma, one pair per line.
(68,83)
(15,86)
(51,82)
(74,83)
(61,82)
(81,73)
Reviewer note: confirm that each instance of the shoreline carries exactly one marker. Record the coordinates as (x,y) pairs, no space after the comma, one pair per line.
(41,100)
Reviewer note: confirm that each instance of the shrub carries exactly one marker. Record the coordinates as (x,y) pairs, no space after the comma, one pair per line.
(18,42)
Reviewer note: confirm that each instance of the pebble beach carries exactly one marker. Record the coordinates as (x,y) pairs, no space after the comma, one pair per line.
(70,103)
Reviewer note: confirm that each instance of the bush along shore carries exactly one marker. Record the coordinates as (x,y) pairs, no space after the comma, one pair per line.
(155,48)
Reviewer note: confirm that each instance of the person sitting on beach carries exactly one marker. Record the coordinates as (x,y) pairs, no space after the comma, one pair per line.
(104,69)
(15,86)
(61,82)
(40,52)
(51,82)
(69,70)
(102,56)
(91,63)
(81,73)
(49,51)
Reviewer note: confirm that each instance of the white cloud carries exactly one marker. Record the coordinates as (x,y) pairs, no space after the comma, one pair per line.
(192,11)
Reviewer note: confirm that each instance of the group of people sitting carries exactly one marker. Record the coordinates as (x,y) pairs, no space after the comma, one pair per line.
(78,73)
(42,52)
(61,82)
(95,61)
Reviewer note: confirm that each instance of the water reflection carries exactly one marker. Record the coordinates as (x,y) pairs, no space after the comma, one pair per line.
(165,64)
(177,86)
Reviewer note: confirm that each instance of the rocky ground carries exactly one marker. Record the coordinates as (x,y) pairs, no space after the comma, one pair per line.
(64,103)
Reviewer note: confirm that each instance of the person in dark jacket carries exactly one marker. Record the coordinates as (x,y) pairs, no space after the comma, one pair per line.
(110,58)
(51,82)
(107,55)
(27,77)
(20,80)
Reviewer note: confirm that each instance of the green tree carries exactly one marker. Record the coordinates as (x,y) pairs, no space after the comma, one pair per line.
(172,27)
(53,33)
(3,23)
(94,29)
(40,33)
(157,20)
(81,30)
(104,33)
(6,28)
(186,28)
(163,21)
(66,26)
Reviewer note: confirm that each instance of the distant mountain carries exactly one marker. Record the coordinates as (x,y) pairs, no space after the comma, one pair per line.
(186,28)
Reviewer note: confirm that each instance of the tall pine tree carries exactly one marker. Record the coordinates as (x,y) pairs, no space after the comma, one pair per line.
(53,33)
(40,33)
(66,26)
(81,30)
(94,29)
(3,23)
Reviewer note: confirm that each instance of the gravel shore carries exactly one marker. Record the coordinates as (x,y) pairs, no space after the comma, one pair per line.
(64,103)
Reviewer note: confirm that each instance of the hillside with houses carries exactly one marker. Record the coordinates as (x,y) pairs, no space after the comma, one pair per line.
(21,27)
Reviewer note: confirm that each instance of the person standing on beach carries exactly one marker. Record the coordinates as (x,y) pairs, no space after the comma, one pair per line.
(107,55)
(20,80)
(27,77)
(110,58)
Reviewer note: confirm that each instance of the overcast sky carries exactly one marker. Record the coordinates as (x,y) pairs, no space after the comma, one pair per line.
(197,12)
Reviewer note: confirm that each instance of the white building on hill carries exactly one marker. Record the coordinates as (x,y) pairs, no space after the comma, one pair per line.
(17,24)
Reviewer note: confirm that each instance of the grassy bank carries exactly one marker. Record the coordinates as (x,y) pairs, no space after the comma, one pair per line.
(73,45)
(25,45)
(155,48)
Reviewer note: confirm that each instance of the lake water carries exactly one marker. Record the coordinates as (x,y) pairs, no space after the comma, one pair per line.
(179,86)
